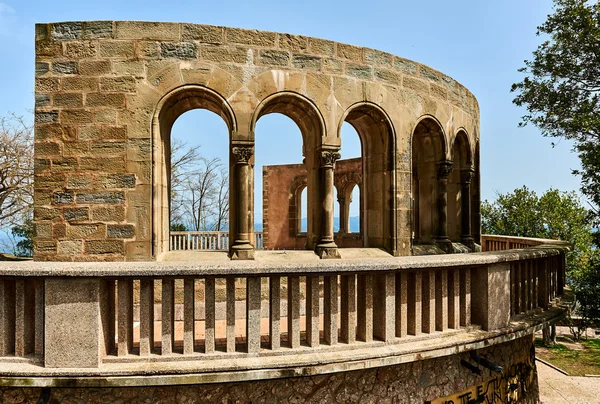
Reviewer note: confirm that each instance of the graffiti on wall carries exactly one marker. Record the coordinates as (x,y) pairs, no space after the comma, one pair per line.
(509,387)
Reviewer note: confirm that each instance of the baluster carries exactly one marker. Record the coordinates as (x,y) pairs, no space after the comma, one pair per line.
(348,303)
(441,300)
(24,317)
(465,297)
(513,297)
(230,312)
(543,282)
(364,302)
(125,291)
(428,302)
(401,304)
(39,318)
(189,316)
(293,315)
(7,317)
(535,283)
(146,316)
(530,304)
(454,299)
(384,310)
(109,319)
(330,309)
(523,288)
(253,314)
(275,312)
(168,316)
(414,303)
(209,315)
(312,310)
(518,294)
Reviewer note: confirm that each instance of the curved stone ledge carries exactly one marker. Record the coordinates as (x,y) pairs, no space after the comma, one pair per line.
(148,373)
(258,267)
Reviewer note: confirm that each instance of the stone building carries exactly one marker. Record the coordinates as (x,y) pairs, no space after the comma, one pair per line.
(378,323)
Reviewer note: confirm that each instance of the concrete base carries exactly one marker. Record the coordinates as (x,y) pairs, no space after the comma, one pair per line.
(459,248)
(427,249)
(241,253)
(436,380)
(445,245)
(327,252)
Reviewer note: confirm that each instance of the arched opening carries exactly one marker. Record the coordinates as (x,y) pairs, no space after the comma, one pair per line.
(282,219)
(278,181)
(170,108)
(428,167)
(376,135)
(476,199)
(459,184)
(303,212)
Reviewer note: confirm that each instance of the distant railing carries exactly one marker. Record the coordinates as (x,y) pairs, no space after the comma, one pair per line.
(206,240)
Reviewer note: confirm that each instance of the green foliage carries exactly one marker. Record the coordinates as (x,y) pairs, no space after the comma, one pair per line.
(562,87)
(586,285)
(555,215)
(178,227)
(24,232)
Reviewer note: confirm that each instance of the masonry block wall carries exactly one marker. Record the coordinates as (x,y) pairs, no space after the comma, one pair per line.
(282,211)
(108,92)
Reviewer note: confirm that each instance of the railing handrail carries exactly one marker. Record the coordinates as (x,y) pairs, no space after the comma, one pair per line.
(533,241)
(268,267)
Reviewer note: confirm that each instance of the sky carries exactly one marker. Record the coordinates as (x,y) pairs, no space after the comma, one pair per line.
(479,43)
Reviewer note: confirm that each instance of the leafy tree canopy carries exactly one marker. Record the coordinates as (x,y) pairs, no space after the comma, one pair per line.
(555,215)
(561,89)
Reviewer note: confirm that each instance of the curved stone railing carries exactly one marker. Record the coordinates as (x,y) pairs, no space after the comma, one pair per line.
(226,321)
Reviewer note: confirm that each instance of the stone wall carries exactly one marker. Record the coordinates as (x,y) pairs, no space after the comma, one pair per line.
(107,94)
(418,382)
(282,211)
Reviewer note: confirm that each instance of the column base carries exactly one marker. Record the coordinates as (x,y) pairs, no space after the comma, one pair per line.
(327,250)
(469,242)
(445,245)
(241,252)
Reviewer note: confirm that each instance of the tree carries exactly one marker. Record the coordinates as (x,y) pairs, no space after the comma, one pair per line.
(554,215)
(200,191)
(562,88)
(16,170)
(24,234)
(184,161)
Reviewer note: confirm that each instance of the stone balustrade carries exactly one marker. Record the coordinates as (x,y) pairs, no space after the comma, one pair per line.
(206,240)
(263,319)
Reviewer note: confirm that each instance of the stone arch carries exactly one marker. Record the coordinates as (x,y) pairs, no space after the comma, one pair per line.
(378,143)
(459,183)
(170,107)
(296,188)
(429,169)
(310,121)
(476,197)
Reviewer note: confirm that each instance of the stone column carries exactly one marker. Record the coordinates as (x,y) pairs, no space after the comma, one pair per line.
(241,249)
(465,198)
(344,213)
(442,239)
(326,247)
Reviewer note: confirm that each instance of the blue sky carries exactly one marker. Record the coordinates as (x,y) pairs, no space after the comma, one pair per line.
(479,43)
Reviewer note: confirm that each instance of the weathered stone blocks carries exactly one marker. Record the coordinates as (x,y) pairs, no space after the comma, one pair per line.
(99,85)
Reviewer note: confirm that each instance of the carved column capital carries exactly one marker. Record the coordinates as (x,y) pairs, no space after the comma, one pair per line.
(328,158)
(444,169)
(466,176)
(242,155)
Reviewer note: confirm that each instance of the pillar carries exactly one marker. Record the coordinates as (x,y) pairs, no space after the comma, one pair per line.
(465,216)
(326,247)
(241,249)
(442,239)
(344,213)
